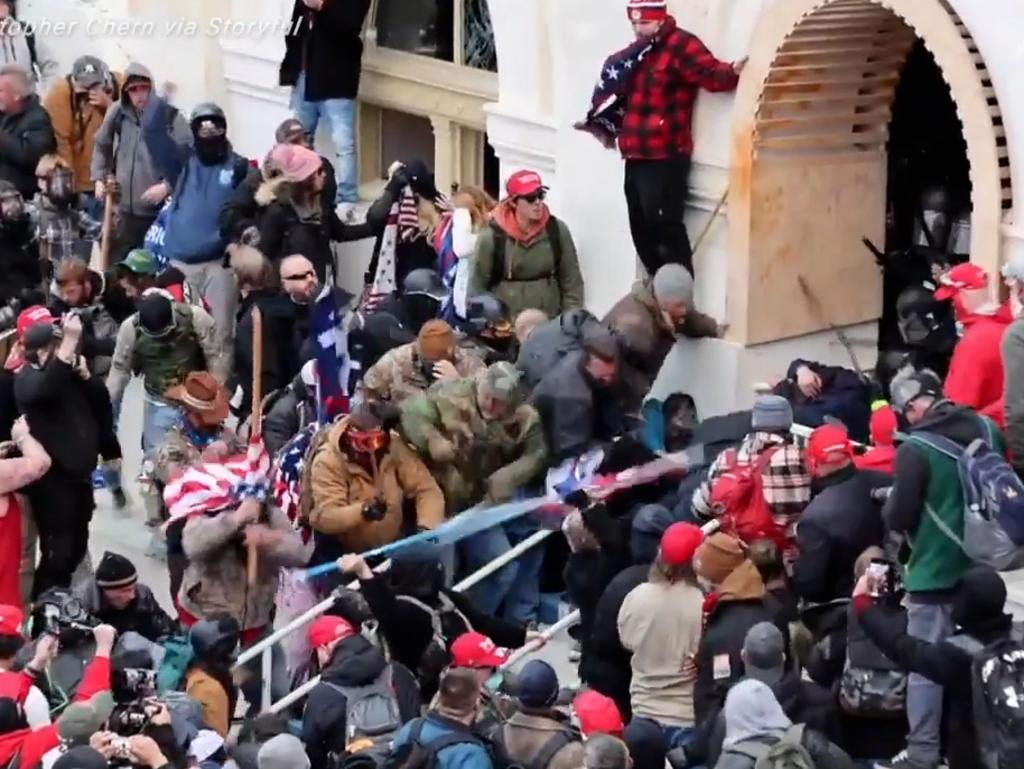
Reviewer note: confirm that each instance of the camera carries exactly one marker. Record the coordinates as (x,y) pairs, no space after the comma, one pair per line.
(122,750)
(131,684)
(130,719)
(59,613)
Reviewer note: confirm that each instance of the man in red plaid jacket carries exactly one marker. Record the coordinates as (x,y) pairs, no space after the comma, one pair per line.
(656,139)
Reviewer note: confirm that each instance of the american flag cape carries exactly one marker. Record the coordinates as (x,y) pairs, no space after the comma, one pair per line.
(608,104)
(286,478)
(403,225)
(214,486)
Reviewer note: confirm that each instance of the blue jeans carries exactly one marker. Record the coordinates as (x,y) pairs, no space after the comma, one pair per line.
(157,419)
(517,584)
(340,114)
(932,623)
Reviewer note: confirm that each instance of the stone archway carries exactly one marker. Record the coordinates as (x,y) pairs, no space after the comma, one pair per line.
(809,170)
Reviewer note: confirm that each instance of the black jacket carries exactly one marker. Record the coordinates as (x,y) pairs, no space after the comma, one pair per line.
(143,615)
(844,396)
(839,524)
(24,139)
(281,356)
(242,211)
(283,233)
(327,45)
(724,632)
(71,418)
(552,341)
(355,662)
(575,415)
(408,631)
(943,663)
(414,255)
(288,411)
(604,661)
(19,262)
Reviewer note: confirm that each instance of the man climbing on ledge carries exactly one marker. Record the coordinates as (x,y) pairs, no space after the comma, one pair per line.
(644,100)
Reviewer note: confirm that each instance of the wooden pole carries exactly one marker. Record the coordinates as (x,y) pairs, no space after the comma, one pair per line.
(256,418)
(108,226)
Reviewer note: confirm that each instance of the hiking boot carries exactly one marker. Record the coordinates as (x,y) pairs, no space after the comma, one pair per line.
(900,761)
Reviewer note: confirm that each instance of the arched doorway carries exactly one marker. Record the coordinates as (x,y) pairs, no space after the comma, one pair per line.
(809,157)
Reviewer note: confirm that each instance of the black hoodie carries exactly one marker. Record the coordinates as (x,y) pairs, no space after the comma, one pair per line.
(282,342)
(355,662)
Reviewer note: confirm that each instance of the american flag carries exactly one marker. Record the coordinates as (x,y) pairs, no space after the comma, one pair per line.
(328,329)
(214,486)
(608,104)
(286,479)
(403,226)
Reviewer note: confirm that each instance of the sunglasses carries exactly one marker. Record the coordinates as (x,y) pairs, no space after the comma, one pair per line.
(534,197)
(368,442)
(301,276)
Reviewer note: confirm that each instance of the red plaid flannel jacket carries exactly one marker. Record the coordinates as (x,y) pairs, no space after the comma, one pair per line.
(659,112)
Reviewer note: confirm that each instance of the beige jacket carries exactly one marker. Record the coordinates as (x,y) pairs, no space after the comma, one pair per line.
(661,625)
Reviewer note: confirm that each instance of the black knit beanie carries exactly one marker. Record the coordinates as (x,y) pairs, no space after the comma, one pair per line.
(115,571)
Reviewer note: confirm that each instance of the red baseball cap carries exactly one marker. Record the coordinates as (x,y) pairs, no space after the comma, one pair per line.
(598,714)
(30,317)
(11,619)
(679,542)
(964,277)
(475,650)
(524,183)
(647,10)
(328,629)
(829,445)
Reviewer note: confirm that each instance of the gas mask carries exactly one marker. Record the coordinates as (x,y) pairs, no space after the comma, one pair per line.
(211,142)
(60,187)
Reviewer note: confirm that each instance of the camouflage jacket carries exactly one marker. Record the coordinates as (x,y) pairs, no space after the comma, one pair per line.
(166,361)
(400,374)
(500,456)
(177,451)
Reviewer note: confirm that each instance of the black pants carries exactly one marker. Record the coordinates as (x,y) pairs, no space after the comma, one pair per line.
(62,507)
(656,198)
(130,234)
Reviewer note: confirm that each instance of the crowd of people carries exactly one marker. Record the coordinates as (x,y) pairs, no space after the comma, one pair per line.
(770,600)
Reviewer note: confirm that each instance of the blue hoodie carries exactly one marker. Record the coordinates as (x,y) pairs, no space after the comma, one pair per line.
(193,233)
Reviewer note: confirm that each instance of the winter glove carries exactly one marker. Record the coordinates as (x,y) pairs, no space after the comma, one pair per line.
(374,510)
(441,449)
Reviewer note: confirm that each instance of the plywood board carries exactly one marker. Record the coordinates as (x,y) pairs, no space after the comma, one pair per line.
(808,219)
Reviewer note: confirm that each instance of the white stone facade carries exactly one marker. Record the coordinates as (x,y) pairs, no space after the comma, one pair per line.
(549,52)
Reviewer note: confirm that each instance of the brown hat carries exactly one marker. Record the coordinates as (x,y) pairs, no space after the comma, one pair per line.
(436,340)
(203,396)
(718,557)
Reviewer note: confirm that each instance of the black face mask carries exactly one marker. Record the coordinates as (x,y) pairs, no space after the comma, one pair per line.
(14,218)
(212,151)
(60,188)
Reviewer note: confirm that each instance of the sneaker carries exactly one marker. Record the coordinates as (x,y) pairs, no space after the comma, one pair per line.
(346,212)
(575,652)
(900,761)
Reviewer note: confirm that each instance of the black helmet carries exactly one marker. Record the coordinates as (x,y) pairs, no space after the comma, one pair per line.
(215,639)
(488,316)
(921,316)
(208,112)
(425,282)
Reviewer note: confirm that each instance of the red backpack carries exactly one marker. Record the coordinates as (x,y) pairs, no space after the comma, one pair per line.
(737,496)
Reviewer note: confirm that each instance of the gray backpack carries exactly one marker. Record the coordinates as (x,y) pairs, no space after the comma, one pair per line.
(372,718)
(787,753)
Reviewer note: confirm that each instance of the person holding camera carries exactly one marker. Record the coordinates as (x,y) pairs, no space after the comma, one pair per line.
(116,597)
(155,747)
(91,705)
(70,414)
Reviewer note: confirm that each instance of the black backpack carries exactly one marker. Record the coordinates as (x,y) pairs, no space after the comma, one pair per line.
(997,687)
(501,243)
(416,755)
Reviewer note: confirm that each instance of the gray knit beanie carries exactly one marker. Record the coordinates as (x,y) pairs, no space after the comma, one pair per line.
(771,414)
(673,283)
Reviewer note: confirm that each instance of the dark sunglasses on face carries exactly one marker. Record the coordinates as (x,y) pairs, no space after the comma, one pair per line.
(300,276)
(534,197)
